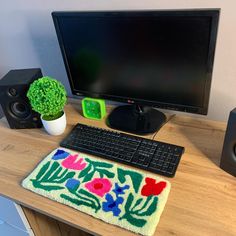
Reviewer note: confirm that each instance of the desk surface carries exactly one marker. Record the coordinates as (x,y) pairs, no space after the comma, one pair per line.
(202,198)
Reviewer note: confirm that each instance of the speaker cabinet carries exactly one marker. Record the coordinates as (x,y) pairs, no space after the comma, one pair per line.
(228,158)
(15,105)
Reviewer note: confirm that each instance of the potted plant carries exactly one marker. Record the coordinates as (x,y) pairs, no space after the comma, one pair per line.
(47,96)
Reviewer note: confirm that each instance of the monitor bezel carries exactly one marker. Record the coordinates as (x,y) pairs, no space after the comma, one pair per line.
(213,13)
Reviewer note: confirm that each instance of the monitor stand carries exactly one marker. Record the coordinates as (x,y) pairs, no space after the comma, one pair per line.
(136,119)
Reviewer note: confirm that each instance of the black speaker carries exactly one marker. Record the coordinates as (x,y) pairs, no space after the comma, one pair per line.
(228,157)
(15,104)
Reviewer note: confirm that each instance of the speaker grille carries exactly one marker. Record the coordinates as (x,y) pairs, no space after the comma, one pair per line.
(13,99)
(20,109)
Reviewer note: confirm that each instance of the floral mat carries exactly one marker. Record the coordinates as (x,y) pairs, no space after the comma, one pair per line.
(117,195)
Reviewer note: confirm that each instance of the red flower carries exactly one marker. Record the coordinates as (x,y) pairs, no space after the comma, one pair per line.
(152,188)
(99,186)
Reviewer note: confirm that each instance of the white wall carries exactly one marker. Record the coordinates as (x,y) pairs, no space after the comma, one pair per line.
(28,39)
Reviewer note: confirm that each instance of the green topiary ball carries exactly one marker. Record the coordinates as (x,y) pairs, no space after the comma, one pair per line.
(47,96)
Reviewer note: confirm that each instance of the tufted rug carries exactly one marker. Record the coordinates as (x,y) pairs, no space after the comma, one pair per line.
(122,196)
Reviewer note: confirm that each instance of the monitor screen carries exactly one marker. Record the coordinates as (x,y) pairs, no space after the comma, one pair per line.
(157,58)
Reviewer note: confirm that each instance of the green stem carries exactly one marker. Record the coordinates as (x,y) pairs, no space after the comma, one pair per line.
(144,205)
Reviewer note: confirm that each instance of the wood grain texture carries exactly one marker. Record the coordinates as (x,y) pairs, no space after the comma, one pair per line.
(43,225)
(201,201)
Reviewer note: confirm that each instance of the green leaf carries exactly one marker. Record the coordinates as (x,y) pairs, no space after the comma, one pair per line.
(137,203)
(56,173)
(105,172)
(53,167)
(82,191)
(66,177)
(94,167)
(128,213)
(87,198)
(85,171)
(62,175)
(129,202)
(99,163)
(53,174)
(144,205)
(136,178)
(53,116)
(78,201)
(151,209)
(136,221)
(43,170)
(37,184)
(89,176)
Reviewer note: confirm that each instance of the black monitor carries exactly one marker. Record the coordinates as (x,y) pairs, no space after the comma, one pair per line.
(149,59)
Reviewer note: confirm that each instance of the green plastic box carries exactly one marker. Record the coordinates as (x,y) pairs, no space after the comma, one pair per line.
(93,108)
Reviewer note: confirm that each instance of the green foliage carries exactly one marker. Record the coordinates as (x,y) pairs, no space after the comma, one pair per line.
(53,117)
(82,197)
(93,167)
(50,175)
(135,177)
(136,211)
(47,96)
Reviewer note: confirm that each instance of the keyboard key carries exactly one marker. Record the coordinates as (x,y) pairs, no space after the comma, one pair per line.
(157,157)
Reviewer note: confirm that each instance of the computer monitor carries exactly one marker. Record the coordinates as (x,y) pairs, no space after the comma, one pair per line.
(149,59)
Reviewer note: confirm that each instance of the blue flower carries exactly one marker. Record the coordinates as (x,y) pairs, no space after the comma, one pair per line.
(120,190)
(60,154)
(112,205)
(72,184)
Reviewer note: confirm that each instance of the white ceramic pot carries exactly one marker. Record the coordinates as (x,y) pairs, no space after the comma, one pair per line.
(55,127)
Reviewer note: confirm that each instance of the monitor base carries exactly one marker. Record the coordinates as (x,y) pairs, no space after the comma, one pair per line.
(136,119)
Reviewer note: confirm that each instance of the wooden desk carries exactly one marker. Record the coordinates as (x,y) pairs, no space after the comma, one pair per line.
(201,201)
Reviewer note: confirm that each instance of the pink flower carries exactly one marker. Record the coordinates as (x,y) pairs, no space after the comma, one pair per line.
(99,186)
(71,163)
